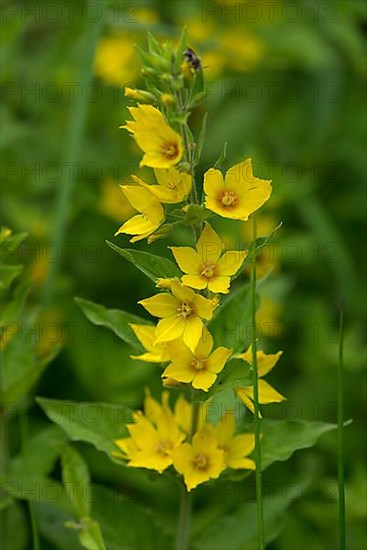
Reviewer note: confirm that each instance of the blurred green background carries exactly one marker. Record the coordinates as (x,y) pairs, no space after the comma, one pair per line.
(285,85)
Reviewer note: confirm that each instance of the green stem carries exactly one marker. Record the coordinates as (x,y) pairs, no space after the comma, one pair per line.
(259,500)
(184,521)
(3,465)
(73,144)
(342,539)
(23,429)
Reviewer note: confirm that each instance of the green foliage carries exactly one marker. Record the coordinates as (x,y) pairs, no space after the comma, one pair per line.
(95,423)
(152,266)
(113,319)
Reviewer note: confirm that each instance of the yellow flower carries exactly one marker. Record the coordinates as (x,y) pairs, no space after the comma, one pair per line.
(115,60)
(162,145)
(156,353)
(153,436)
(239,194)
(200,368)
(174,186)
(113,203)
(199,461)
(181,314)
(183,414)
(267,394)
(205,267)
(151,213)
(236,447)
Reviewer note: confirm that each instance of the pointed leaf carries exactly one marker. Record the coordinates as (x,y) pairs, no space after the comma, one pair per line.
(113,319)
(96,423)
(152,266)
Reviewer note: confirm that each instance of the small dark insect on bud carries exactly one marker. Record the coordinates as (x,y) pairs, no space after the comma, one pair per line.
(193,60)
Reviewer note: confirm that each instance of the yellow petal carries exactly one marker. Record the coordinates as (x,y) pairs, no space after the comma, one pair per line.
(213,182)
(219,284)
(225,429)
(192,331)
(195,281)
(209,246)
(169,328)
(187,258)
(145,334)
(267,394)
(265,362)
(231,262)
(218,359)
(160,305)
(180,373)
(203,380)
(137,225)
(205,344)
(204,307)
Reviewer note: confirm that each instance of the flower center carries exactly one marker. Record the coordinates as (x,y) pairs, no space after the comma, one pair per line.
(163,447)
(207,270)
(200,462)
(170,150)
(198,363)
(229,198)
(184,310)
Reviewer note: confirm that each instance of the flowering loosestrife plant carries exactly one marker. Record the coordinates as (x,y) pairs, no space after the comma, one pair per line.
(178,434)
(207,424)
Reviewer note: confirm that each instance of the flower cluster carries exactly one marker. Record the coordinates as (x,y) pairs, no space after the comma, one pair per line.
(181,340)
(159,439)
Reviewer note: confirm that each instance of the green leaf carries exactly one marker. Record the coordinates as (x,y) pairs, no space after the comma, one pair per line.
(154,46)
(96,423)
(238,529)
(90,536)
(237,373)
(201,139)
(121,521)
(181,47)
(9,242)
(21,365)
(39,455)
(152,266)
(282,438)
(221,162)
(75,476)
(8,273)
(231,325)
(113,319)
(14,308)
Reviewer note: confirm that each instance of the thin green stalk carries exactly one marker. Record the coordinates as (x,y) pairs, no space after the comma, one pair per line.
(72,149)
(259,500)
(23,429)
(342,538)
(3,465)
(184,521)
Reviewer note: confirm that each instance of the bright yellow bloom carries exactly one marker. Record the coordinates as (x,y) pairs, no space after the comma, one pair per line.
(116,60)
(205,267)
(181,314)
(199,461)
(239,194)
(162,145)
(267,394)
(183,414)
(200,368)
(113,203)
(151,213)
(153,436)
(174,186)
(236,447)
(156,353)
